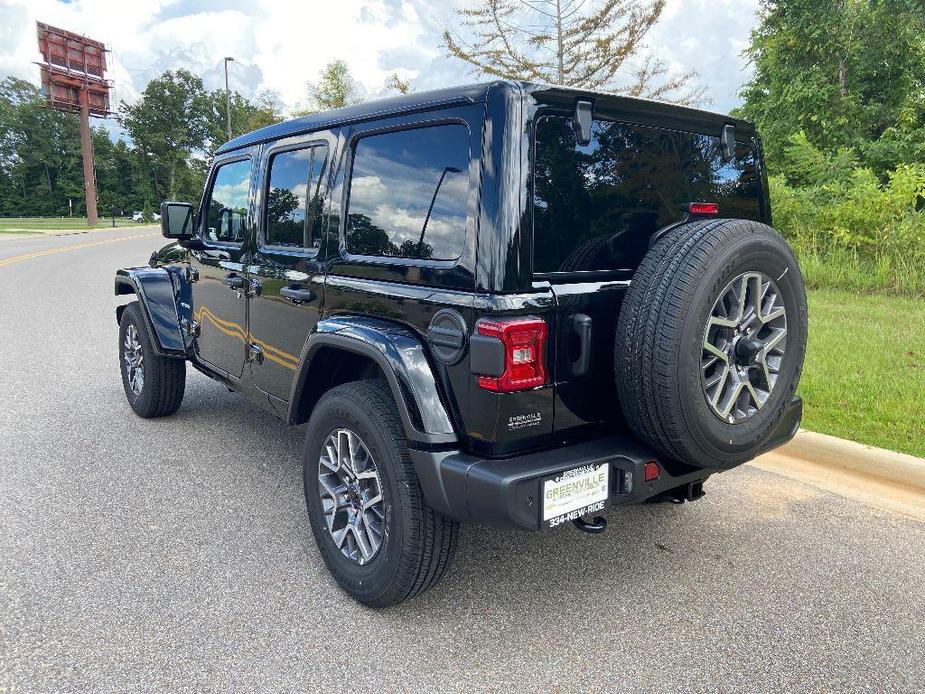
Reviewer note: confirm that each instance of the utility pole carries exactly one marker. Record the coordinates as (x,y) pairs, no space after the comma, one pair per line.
(228,59)
(86,148)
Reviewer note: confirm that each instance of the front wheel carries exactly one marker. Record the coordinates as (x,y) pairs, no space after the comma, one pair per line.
(377,534)
(154,385)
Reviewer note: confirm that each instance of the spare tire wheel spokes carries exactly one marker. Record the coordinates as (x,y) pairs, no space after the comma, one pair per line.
(743,346)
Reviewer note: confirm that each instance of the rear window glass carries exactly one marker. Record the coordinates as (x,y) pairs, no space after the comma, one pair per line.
(595,207)
(409,193)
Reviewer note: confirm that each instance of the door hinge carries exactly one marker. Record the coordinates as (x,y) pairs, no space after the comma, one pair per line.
(191,327)
(255,353)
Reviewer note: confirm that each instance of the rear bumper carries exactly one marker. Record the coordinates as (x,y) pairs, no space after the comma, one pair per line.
(509,492)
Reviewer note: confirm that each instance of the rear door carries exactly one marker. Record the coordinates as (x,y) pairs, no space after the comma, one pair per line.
(219,294)
(595,210)
(286,268)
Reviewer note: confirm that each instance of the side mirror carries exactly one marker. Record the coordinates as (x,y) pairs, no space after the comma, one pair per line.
(582,122)
(177,220)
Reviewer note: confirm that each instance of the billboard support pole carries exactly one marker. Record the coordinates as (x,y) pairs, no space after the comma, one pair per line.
(86,148)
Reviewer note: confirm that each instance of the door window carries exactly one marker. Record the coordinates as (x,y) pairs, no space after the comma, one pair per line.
(293,199)
(409,193)
(226,208)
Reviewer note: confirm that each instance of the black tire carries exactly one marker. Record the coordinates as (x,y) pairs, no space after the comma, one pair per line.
(418,544)
(660,333)
(164,379)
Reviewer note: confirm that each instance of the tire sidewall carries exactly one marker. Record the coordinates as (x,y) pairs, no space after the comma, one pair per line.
(370,581)
(754,252)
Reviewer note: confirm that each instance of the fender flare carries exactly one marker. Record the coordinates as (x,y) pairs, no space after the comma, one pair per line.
(158,295)
(402,358)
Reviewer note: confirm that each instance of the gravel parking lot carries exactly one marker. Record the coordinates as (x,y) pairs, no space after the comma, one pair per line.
(175,554)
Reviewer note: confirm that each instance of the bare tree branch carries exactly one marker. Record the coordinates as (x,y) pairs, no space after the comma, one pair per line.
(590,44)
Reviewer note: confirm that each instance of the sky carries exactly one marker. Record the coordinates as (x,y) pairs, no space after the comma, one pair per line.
(282,44)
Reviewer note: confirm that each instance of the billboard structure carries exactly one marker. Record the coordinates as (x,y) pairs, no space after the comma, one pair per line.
(73,71)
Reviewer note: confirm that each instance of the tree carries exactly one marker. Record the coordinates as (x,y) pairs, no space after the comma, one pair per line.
(335,88)
(398,84)
(848,74)
(599,46)
(167,124)
(245,114)
(40,158)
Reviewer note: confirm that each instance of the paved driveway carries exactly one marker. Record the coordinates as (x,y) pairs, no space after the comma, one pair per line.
(175,554)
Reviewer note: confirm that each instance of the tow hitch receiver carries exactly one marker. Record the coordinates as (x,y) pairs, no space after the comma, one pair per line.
(687,492)
(595,526)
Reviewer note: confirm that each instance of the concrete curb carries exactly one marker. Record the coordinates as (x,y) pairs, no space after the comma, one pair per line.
(889,466)
(885,479)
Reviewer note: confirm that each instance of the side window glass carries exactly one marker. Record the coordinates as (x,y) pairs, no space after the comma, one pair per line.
(293,201)
(226,208)
(409,193)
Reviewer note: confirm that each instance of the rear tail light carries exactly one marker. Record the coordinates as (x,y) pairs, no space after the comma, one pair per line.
(524,341)
(710,208)
(651,471)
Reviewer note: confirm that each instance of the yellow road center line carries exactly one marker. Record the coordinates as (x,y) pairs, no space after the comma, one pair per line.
(38,254)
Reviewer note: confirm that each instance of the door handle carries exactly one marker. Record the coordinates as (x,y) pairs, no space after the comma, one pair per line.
(233,281)
(297,294)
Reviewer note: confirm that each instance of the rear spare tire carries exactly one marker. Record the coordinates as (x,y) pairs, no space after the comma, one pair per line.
(710,341)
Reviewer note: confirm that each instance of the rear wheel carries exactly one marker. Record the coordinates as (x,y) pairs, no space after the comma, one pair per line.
(710,341)
(153,385)
(377,534)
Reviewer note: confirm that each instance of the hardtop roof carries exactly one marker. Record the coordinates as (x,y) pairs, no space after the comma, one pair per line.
(475,93)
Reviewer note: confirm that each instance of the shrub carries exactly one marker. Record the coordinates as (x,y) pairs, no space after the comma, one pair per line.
(851,230)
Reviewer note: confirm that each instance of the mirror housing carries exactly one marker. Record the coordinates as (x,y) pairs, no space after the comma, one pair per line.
(177,220)
(582,122)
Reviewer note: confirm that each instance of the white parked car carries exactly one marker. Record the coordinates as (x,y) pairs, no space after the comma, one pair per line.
(138,217)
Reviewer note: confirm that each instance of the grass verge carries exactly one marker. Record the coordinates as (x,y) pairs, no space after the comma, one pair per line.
(864,377)
(27,224)
(853,272)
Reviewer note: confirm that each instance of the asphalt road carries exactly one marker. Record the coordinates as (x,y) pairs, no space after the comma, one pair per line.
(175,554)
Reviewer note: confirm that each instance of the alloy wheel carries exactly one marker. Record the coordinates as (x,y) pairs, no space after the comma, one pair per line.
(133,356)
(744,342)
(351,496)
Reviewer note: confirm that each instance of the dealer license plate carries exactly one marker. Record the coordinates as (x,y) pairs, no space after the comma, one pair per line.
(575,493)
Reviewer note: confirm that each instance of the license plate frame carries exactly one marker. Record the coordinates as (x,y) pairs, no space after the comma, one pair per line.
(574,493)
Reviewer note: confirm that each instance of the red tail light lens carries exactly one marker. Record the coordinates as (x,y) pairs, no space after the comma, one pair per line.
(524,342)
(651,471)
(710,208)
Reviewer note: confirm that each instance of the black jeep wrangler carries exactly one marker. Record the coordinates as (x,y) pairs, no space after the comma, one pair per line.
(507,303)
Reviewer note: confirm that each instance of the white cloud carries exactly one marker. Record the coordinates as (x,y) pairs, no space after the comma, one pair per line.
(282,44)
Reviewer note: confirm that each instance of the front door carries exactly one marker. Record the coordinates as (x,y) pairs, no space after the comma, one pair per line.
(220,292)
(286,269)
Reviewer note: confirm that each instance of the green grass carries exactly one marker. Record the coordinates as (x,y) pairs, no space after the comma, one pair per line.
(900,274)
(864,377)
(25,224)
